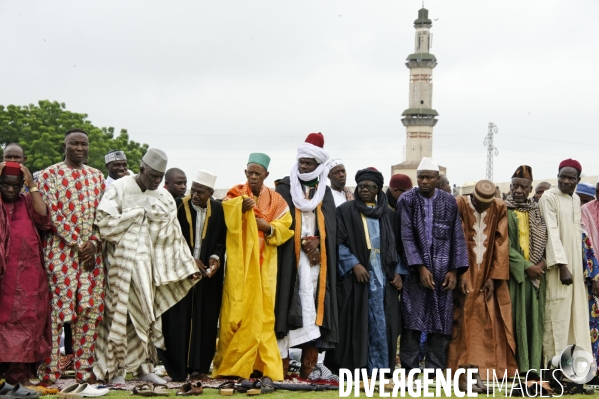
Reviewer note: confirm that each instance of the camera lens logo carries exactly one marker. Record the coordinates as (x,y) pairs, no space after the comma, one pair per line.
(578,365)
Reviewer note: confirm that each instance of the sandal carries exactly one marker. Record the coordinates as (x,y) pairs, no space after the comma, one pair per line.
(161,389)
(144,390)
(191,389)
(261,386)
(227,388)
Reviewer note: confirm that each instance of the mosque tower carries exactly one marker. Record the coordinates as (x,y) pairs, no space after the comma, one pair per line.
(420,117)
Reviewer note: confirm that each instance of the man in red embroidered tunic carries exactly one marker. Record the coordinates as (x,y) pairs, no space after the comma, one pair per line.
(73,255)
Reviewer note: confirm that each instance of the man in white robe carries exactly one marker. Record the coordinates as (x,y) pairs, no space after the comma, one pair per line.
(150,268)
(566,307)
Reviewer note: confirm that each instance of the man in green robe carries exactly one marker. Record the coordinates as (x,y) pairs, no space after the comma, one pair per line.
(528,238)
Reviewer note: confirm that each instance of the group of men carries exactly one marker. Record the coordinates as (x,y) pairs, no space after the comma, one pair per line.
(140,274)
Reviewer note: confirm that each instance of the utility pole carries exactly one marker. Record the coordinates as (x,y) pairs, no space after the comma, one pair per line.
(491,150)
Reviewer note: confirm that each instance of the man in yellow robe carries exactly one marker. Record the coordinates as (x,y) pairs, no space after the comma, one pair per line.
(258,221)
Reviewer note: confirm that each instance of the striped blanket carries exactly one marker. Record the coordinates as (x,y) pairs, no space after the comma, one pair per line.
(148,264)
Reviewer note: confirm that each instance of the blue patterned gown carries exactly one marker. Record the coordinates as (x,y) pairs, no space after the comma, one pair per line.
(432,235)
(591,273)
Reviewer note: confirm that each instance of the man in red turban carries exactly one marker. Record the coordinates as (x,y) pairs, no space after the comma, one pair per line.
(566,306)
(24,296)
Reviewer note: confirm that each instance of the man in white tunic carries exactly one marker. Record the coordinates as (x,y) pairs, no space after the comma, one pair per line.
(150,268)
(338,176)
(566,307)
(306,304)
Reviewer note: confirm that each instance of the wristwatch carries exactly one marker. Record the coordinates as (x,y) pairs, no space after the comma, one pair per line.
(34,190)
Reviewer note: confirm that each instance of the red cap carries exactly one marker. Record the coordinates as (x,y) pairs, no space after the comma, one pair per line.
(316,139)
(12,169)
(572,163)
(401,182)
(372,168)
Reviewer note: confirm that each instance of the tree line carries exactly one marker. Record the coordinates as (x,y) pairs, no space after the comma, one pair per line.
(40,129)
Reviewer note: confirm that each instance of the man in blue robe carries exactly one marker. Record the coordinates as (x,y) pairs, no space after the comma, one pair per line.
(368,279)
(436,253)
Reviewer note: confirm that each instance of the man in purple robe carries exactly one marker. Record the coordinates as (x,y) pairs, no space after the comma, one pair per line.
(435,253)
(24,295)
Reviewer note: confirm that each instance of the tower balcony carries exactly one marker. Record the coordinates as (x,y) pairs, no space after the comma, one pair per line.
(419,117)
(421,60)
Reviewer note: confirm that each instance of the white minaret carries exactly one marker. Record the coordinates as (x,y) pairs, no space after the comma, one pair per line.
(420,118)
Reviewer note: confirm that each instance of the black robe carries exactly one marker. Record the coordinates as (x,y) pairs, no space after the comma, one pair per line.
(288,310)
(190,327)
(352,297)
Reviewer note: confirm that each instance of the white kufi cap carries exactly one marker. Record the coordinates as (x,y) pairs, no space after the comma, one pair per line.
(205,178)
(428,164)
(331,163)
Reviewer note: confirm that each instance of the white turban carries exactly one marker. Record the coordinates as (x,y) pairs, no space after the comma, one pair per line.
(307,150)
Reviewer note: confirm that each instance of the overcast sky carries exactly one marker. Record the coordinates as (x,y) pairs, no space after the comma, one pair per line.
(212,81)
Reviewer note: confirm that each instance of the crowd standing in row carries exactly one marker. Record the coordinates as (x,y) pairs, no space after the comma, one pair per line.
(135,273)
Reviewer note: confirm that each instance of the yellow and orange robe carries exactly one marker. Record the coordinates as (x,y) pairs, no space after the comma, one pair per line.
(247,340)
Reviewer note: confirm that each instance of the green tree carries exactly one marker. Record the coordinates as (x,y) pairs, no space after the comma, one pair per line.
(40,130)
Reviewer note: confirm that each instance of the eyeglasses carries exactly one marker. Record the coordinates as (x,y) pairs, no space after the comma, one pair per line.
(369,187)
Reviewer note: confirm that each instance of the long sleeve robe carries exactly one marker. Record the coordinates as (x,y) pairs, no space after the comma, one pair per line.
(484,330)
(289,303)
(440,252)
(566,306)
(24,295)
(190,327)
(528,303)
(247,340)
(149,264)
(369,314)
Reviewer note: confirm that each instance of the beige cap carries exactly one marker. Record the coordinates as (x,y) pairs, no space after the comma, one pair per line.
(156,159)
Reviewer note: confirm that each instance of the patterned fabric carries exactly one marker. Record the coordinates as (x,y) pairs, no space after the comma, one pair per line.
(538,229)
(349,195)
(591,273)
(200,222)
(149,263)
(77,294)
(269,206)
(430,310)
(590,219)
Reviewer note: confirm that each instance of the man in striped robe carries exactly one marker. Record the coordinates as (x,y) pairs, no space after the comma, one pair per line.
(150,269)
